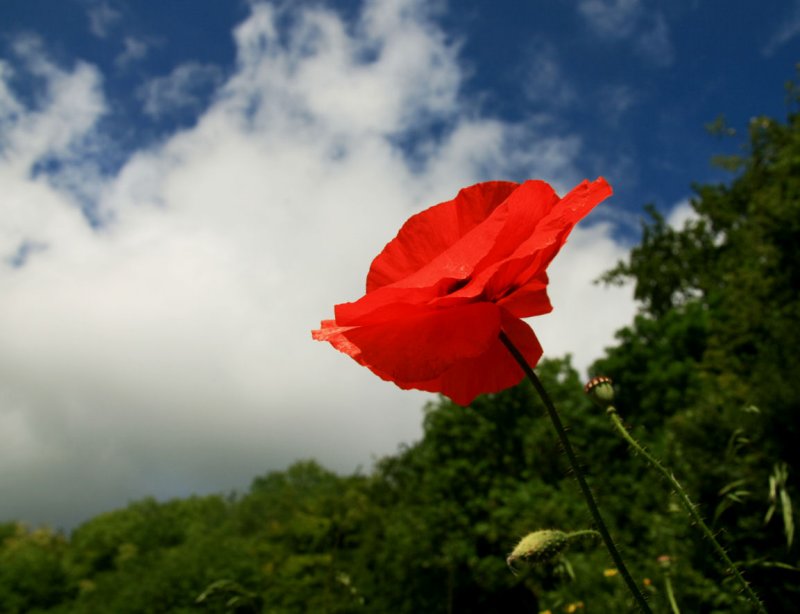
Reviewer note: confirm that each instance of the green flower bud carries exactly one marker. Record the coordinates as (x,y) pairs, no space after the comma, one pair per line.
(539,546)
(601,390)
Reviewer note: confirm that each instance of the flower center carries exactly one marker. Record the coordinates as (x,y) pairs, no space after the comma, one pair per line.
(457,285)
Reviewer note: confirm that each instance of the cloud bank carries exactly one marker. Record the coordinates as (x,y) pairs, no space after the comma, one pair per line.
(156,341)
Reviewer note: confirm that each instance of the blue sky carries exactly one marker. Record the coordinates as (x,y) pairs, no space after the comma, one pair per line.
(637,81)
(189,187)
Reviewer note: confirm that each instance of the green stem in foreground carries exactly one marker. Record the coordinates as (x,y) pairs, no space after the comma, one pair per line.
(688,506)
(670,594)
(584,533)
(573,460)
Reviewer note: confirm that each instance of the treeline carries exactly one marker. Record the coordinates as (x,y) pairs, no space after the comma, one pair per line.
(708,378)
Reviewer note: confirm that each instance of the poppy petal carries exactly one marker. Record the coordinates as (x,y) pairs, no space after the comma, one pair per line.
(527,206)
(535,229)
(360,312)
(576,205)
(534,255)
(529,300)
(332,333)
(492,371)
(423,345)
(430,233)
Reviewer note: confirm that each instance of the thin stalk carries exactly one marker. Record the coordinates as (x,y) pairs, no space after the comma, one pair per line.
(584,533)
(688,506)
(671,595)
(573,460)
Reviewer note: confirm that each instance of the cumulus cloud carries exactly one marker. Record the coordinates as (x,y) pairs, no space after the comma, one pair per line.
(585,314)
(164,348)
(630,20)
(680,213)
(181,90)
(67,107)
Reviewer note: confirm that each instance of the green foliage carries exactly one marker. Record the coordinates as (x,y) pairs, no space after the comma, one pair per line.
(716,342)
(32,575)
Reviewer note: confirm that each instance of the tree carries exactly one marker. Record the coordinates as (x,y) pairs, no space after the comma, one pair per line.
(713,354)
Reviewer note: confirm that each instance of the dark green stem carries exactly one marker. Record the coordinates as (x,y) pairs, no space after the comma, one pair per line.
(688,506)
(573,460)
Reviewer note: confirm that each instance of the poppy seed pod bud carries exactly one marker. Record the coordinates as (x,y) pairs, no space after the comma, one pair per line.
(539,546)
(601,390)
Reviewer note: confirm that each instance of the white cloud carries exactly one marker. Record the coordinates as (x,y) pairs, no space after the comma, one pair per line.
(102,18)
(655,42)
(631,20)
(179,91)
(544,81)
(585,314)
(168,350)
(133,49)
(10,108)
(614,101)
(680,213)
(612,18)
(66,110)
(788,29)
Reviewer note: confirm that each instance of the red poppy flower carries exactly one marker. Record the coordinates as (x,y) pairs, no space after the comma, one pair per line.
(457,274)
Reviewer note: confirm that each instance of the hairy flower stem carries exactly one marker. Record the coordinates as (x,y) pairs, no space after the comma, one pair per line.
(573,460)
(690,508)
(584,533)
(671,595)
